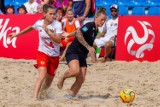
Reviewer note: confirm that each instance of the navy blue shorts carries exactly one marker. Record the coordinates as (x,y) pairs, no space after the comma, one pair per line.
(82,61)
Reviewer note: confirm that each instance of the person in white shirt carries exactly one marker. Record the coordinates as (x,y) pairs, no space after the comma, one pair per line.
(31,6)
(48,50)
(107,37)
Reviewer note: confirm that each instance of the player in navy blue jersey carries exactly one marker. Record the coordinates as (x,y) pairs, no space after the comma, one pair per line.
(77,52)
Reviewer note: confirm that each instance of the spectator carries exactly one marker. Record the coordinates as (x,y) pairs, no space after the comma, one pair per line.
(61,4)
(69,25)
(10,9)
(40,9)
(45,1)
(31,6)
(22,10)
(81,8)
(109,32)
(59,14)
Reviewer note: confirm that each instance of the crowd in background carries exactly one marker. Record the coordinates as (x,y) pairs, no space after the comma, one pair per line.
(35,7)
(71,13)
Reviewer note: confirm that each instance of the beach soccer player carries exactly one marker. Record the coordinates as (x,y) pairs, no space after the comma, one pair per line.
(78,50)
(48,50)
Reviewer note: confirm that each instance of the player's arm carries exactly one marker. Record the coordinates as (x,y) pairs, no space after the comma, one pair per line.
(56,38)
(91,49)
(86,11)
(81,39)
(70,5)
(65,34)
(28,29)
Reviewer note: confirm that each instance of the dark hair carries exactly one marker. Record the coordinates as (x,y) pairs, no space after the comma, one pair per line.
(61,10)
(22,6)
(10,6)
(101,10)
(46,7)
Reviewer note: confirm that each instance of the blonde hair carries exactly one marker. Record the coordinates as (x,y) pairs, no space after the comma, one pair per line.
(101,10)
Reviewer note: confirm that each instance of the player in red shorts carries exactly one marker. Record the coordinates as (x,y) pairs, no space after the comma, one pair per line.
(48,50)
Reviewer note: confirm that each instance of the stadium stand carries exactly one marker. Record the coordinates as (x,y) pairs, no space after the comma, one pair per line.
(123,10)
(19,2)
(128,3)
(154,11)
(8,2)
(105,2)
(138,11)
(140,2)
(153,2)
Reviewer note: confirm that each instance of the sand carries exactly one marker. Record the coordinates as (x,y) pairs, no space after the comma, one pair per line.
(100,89)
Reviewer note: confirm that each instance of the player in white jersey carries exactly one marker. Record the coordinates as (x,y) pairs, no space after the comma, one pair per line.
(109,33)
(48,50)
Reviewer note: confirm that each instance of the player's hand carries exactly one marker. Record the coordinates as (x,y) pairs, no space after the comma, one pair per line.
(81,19)
(12,35)
(48,31)
(65,34)
(92,54)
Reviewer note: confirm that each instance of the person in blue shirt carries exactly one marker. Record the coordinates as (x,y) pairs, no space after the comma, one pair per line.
(81,8)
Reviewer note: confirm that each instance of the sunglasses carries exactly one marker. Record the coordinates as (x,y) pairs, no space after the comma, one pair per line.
(113,10)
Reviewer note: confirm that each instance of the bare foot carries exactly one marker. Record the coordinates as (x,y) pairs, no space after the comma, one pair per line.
(60,83)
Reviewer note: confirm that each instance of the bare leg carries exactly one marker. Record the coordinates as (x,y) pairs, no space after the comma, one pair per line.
(42,75)
(78,83)
(108,47)
(47,83)
(73,71)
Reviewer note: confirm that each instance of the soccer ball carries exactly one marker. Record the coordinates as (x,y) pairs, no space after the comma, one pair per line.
(127,95)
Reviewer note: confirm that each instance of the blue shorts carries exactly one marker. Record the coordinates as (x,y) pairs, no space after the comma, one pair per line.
(82,61)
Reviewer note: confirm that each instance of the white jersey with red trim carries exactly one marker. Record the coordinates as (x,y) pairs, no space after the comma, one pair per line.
(46,44)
